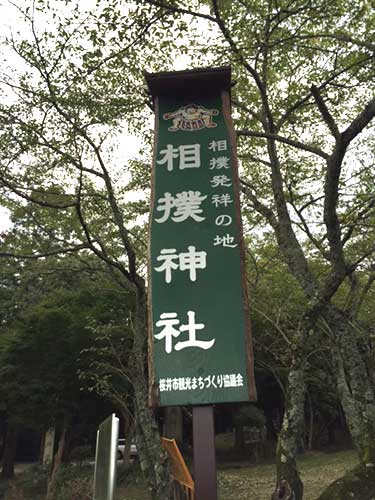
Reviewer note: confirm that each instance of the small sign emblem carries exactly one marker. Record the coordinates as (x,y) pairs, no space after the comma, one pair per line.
(191,118)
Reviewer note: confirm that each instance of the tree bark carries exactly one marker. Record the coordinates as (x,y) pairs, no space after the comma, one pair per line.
(56,463)
(128,431)
(239,440)
(355,388)
(173,428)
(288,478)
(9,453)
(358,484)
(311,423)
(153,457)
(49,445)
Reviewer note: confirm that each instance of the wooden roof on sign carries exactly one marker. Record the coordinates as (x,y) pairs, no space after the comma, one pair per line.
(202,82)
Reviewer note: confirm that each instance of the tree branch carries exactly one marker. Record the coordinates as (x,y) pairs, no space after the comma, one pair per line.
(296,144)
(332,178)
(99,253)
(324,84)
(180,10)
(35,256)
(327,117)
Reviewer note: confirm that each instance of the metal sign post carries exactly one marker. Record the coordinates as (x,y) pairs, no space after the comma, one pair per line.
(106,459)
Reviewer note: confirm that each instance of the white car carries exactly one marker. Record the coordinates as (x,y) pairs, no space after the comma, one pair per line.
(121,449)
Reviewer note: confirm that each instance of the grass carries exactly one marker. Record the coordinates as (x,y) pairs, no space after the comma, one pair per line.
(318,470)
(243,481)
(256,482)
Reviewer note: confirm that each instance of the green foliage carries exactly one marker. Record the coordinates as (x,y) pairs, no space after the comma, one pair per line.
(40,349)
(82,453)
(33,480)
(250,415)
(74,482)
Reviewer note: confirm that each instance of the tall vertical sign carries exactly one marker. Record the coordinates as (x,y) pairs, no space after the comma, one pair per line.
(200,336)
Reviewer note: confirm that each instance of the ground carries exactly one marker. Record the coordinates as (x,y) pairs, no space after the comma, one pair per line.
(245,481)
(249,482)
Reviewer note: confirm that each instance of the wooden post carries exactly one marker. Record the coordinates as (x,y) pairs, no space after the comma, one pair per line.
(204,453)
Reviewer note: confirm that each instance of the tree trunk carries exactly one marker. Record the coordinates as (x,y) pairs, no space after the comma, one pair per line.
(311,423)
(9,453)
(239,439)
(128,432)
(173,428)
(355,389)
(357,484)
(331,433)
(49,446)
(153,457)
(56,463)
(41,448)
(2,437)
(289,484)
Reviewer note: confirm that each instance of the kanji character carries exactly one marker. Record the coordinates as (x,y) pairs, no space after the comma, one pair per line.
(187,205)
(239,380)
(165,204)
(181,384)
(232,380)
(175,384)
(189,156)
(221,199)
(226,380)
(218,145)
(168,321)
(170,153)
(223,220)
(192,328)
(168,384)
(225,241)
(220,180)
(162,386)
(168,257)
(188,383)
(192,261)
(219,163)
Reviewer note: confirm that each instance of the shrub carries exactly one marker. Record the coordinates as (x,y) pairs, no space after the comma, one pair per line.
(81,454)
(33,480)
(74,482)
(14,492)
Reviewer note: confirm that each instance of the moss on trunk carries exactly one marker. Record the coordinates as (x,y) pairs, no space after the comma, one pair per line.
(290,434)
(153,458)
(354,384)
(358,484)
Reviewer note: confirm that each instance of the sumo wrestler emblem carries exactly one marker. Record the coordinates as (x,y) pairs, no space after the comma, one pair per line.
(191,117)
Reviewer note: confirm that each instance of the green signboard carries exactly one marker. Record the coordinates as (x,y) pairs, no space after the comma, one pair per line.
(199,317)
